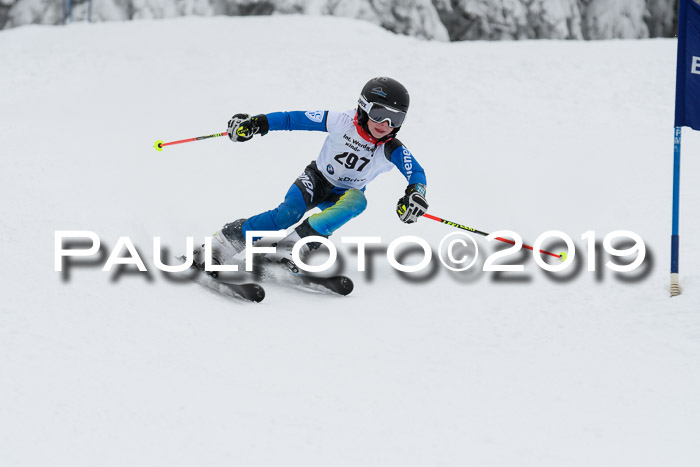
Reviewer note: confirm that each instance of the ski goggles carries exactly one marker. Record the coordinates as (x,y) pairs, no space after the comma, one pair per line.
(380,113)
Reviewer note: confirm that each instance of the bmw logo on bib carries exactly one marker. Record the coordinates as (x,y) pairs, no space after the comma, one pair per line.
(330,169)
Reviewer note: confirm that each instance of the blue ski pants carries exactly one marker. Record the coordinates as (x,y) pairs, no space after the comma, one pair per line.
(310,190)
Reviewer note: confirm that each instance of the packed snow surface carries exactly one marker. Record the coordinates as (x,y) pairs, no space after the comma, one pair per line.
(117,368)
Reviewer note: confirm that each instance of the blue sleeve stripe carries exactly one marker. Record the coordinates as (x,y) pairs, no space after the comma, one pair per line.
(297,120)
(408,165)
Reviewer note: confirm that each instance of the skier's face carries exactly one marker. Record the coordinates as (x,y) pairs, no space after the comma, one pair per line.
(379,130)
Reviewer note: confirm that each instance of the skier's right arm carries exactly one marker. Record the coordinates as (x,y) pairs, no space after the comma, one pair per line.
(242,127)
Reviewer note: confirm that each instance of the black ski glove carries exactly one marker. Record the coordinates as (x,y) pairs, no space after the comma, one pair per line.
(413,204)
(242,127)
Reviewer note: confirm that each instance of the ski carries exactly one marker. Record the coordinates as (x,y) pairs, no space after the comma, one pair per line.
(271,270)
(342,285)
(249,291)
(274,272)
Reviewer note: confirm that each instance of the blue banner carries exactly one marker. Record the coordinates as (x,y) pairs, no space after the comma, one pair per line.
(688,65)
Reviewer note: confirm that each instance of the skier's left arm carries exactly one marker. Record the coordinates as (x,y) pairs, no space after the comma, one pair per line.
(412,204)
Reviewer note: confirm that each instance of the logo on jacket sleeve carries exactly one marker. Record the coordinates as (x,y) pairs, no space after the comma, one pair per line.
(315,116)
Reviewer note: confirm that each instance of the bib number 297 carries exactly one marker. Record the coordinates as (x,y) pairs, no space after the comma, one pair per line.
(350,160)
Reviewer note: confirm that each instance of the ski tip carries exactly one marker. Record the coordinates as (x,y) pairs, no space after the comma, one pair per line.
(259,294)
(158,145)
(346,286)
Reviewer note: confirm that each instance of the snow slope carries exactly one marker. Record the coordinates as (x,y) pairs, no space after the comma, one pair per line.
(437,368)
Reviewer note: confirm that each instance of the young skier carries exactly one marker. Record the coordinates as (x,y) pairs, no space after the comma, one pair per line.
(361,144)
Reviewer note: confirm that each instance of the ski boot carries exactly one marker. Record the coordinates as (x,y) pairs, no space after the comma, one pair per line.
(226,243)
(283,255)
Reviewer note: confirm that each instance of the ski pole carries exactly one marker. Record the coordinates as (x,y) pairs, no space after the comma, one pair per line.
(470,229)
(159,145)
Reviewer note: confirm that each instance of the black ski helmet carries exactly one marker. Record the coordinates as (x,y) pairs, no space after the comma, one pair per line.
(385,91)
